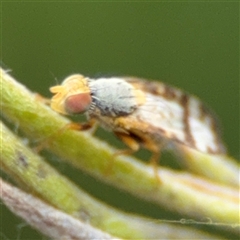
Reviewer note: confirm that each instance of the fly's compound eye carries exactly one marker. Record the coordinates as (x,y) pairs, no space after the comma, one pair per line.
(78,103)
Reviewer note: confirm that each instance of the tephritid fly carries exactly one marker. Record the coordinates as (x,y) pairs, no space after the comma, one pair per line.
(141,113)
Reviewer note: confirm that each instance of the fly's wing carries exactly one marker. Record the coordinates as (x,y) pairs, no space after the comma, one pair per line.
(174,115)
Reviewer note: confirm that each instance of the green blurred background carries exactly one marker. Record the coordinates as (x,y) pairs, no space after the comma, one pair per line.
(192,45)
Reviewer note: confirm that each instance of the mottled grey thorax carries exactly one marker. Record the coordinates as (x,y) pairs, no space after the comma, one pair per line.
(113,97)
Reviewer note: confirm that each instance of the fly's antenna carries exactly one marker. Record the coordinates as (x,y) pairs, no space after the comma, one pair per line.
(54,77)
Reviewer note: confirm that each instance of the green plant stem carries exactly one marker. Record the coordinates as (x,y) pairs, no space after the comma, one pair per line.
(33,173)
(178,191)
(219,168)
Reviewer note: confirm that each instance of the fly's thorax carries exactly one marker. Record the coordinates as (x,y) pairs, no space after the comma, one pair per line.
(115,97)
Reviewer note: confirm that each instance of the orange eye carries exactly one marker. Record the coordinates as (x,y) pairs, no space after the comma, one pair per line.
(78,103)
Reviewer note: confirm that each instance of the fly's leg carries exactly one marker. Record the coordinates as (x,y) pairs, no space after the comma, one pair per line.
(133,142)
(130,142)
(154,160)
(79,126)
(148,143)
(68,126)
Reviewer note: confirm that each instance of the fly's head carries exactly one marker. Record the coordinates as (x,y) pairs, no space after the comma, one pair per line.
(72,96)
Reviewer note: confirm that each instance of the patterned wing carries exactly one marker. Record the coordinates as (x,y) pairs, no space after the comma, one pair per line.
(174,115)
